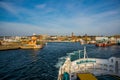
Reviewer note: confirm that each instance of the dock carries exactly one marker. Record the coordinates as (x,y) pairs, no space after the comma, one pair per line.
(8,47)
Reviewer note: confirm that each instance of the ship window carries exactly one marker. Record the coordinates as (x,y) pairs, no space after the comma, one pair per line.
(111,66)
(105,69)
(111,70)
(72,75)
(112,60)
(78,78)
(105,65)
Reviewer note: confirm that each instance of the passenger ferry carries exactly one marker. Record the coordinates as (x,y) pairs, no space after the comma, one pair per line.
(90,68)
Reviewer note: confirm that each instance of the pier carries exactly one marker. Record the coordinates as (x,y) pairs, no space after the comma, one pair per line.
(8,47)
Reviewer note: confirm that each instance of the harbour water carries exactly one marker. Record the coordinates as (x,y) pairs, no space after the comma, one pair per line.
(44,64)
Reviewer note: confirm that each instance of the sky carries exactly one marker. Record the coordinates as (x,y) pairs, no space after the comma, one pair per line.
(59,17)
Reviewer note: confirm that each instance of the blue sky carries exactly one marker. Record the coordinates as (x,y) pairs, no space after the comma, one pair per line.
(59,17)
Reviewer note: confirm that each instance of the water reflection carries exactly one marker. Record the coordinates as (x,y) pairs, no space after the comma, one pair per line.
(34,53)
(44,64)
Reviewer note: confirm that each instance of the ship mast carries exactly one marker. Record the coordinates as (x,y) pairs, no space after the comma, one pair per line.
(84,52)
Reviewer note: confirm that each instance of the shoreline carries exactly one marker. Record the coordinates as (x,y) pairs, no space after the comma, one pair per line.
(12,47)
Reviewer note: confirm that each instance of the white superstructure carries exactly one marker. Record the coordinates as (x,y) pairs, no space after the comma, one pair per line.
(95,66)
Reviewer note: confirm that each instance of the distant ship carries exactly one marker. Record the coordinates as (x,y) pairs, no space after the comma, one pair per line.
(102,44)
(90,68)
(82,42)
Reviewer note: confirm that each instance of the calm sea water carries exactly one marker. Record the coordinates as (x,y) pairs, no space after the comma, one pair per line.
(44,64)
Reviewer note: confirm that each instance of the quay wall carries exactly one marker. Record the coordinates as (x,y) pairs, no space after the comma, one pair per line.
(8,47)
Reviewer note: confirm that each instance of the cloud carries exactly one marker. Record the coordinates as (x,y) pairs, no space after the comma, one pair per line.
(45,9)
(104,14)
(97,24)
(12,28)
(41,6)
(26,14)
(61,19)
(8,6)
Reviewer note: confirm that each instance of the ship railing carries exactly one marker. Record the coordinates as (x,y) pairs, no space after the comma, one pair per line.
(60,74)
(86,61)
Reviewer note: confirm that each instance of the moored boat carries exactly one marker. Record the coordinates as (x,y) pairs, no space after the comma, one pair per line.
(102,44)
(90,68)
(27,46)
(32,44)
